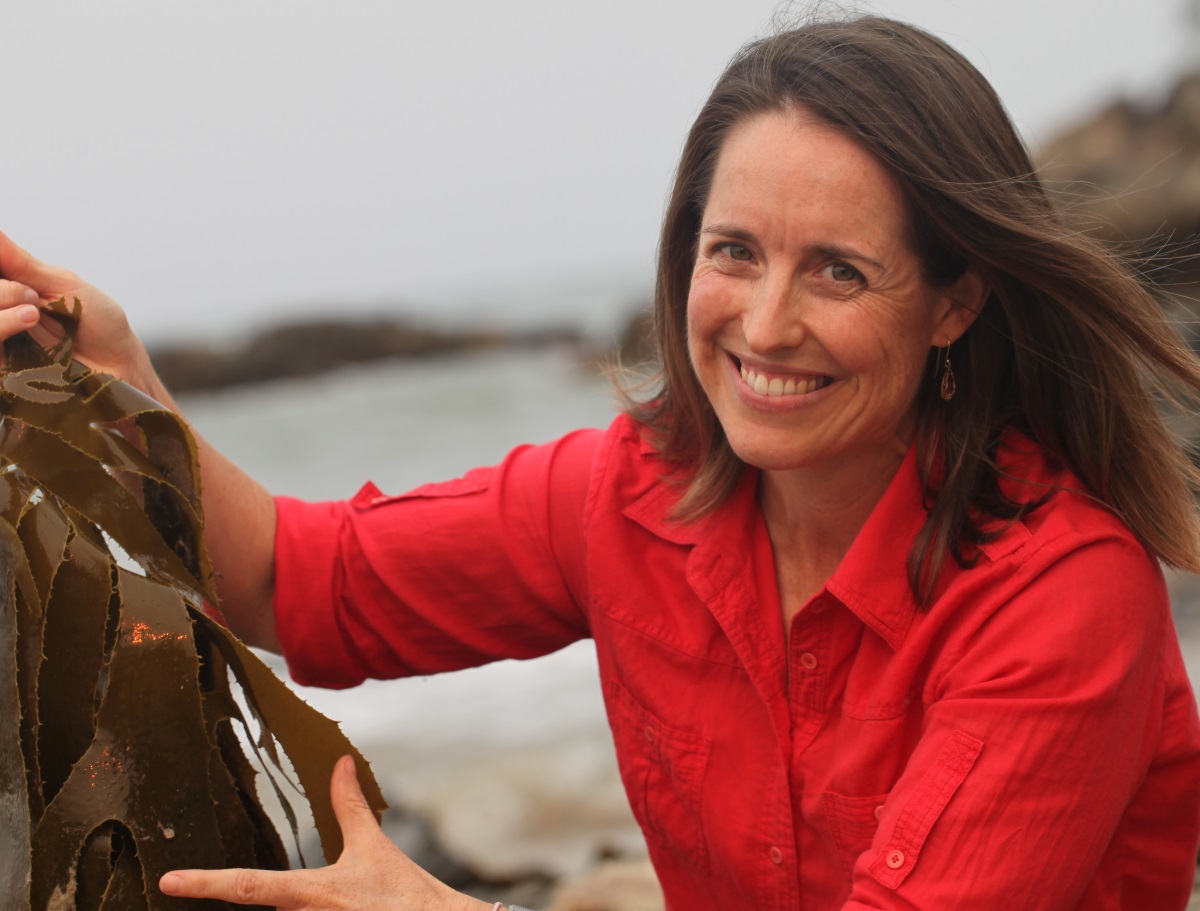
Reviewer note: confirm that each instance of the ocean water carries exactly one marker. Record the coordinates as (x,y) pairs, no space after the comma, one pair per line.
(400,424)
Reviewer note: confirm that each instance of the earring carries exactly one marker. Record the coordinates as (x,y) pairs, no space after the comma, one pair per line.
(949,386)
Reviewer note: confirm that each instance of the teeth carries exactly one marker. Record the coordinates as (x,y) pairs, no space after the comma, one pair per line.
(776,387)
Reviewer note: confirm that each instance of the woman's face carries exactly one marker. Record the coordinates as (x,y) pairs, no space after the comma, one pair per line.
(808,319)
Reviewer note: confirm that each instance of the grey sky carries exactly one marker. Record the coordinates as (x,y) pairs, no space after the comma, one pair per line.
(213,165)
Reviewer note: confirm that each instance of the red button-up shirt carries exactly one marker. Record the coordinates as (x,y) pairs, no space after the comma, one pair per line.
(1029,741)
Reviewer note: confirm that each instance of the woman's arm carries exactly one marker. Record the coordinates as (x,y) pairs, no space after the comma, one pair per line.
(239,513)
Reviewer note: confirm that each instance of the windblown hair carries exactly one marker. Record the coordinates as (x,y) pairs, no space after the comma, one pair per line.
(1070,348)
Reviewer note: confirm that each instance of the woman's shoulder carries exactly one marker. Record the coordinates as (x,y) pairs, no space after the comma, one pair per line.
(1070,559)
(1063,515)
(627,455)
(630,478)
(1067,580)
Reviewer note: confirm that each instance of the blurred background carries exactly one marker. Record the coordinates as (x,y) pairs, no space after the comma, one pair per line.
(456,206)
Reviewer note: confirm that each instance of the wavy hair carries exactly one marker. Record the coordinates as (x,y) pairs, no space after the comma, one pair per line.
(1070,348)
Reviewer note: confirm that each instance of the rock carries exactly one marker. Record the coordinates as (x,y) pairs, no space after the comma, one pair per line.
(519,812)
(314,347)
(1132,171)
(615,885)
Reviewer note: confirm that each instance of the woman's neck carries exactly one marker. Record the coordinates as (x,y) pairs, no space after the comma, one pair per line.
(814,514)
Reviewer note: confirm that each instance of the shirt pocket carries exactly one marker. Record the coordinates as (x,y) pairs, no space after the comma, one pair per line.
(852,823)
(663,769)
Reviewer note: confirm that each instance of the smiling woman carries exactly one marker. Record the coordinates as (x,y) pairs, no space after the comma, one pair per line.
(873,573)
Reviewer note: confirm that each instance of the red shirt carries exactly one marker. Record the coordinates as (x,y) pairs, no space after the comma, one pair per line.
(1029,741)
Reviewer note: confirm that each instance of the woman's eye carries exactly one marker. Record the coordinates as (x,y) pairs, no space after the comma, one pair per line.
(841,272)
(736,252)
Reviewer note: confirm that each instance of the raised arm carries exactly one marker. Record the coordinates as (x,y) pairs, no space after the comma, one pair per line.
(239,513)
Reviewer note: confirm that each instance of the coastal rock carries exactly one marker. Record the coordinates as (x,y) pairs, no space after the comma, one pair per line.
(314,347)
(1132,173)
(616,885)
(550,810)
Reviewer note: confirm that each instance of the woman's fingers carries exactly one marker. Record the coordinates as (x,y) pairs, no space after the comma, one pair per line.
(18,319)
(14,294)
(354,815)
(242,887)
(19,312)
(19,266)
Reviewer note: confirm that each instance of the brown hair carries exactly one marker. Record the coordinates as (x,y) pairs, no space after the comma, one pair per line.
(1069,349)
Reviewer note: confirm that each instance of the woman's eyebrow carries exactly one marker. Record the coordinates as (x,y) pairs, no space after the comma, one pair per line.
(729,231)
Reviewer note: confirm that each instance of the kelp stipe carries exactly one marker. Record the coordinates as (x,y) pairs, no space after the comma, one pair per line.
(120,754)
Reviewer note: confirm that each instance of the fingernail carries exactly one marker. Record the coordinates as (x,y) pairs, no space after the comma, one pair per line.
(29,315)
(31,296)
(170,884)
(348,767)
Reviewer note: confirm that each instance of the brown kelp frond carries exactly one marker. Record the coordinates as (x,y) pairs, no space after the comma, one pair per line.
(120,751)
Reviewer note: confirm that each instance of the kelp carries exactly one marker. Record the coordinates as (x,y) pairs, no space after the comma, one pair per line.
(120,751)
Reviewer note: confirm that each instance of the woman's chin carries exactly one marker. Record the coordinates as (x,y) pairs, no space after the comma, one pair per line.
(773,458)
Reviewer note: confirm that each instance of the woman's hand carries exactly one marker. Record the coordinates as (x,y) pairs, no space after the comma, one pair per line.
(104,341)
(371,875)
(239,514)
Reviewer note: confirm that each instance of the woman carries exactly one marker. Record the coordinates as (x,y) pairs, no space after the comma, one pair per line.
(873,575)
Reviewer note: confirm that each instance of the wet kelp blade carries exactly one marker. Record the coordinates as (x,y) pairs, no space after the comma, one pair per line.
(121,740)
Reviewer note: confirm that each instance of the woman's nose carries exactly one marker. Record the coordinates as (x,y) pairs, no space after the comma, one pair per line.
(773,318)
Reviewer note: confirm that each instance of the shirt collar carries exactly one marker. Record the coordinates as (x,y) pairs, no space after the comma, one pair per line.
(872,579)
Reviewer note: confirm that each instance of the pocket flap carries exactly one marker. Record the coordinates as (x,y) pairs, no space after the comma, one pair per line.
(474,481)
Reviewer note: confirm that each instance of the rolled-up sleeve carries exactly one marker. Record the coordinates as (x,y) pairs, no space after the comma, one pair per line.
(450,575)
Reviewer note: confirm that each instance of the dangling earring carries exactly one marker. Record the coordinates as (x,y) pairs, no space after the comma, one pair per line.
(949,386)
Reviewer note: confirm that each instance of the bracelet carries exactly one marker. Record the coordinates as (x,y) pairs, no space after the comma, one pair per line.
(499,906)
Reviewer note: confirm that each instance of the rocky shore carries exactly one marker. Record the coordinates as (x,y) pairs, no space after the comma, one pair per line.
(309,348)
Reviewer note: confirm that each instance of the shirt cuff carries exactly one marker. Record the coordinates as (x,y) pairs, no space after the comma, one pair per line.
(308,583)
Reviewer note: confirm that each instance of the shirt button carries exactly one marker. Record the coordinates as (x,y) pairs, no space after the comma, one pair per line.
(895,859)
(808,661)
(776,856)
(650,735)
(819,606)
(879,813)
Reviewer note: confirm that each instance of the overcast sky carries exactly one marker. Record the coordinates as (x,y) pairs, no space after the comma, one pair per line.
(215,165)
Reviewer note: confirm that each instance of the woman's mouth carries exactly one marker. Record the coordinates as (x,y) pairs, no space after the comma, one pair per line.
(775,386)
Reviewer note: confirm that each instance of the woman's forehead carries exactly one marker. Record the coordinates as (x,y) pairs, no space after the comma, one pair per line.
(792,171)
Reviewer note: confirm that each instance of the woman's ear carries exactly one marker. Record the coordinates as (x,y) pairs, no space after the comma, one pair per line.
(961,302)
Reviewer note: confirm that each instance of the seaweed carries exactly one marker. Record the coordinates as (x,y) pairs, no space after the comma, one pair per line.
(123,744)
